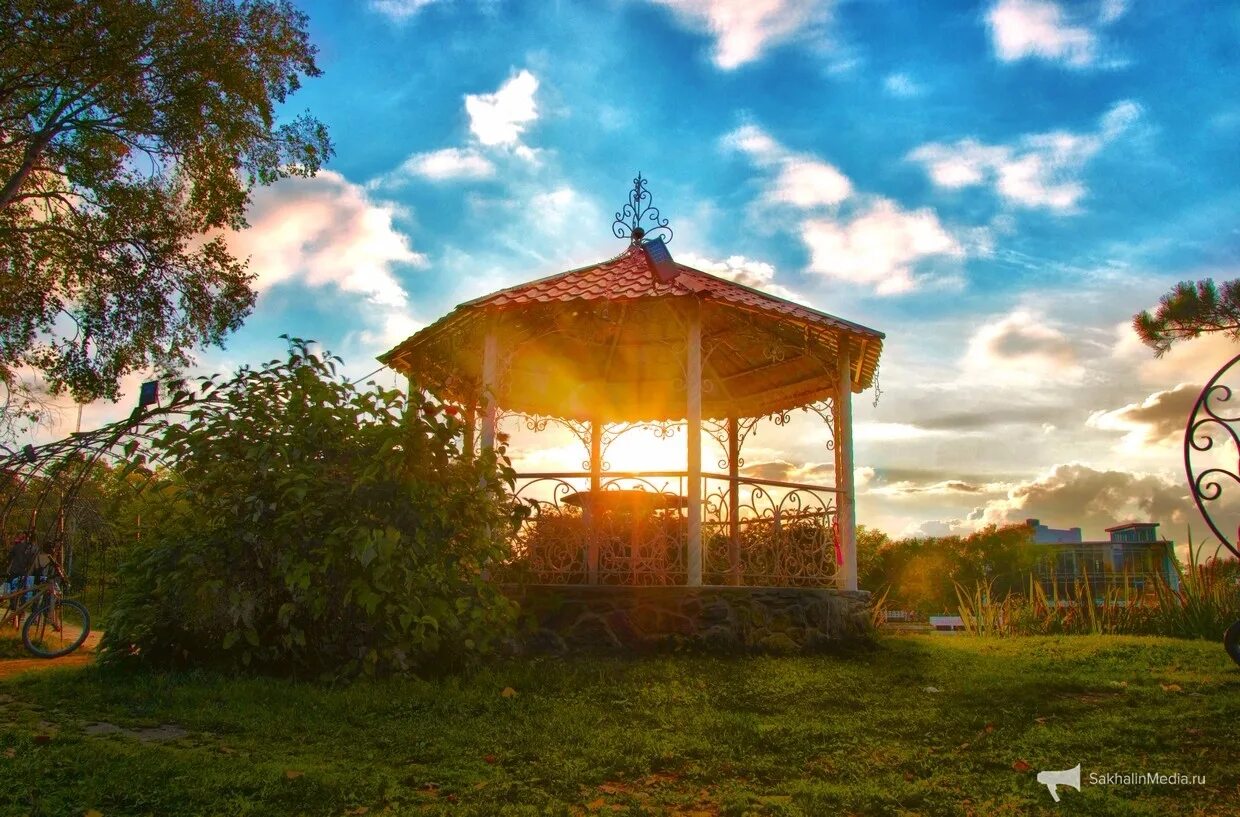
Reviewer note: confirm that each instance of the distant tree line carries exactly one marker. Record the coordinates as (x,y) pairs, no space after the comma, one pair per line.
(921,573)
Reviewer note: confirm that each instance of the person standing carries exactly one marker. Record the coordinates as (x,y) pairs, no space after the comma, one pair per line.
(23,556)
(23,560)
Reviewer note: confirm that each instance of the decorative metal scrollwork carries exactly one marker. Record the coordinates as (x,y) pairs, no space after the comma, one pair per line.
(761,532)
(639,209)
(660,429)
(825,409)
(1213,422)
(779,534)
(718,431)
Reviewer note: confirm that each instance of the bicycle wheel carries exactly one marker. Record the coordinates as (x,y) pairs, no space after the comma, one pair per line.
(1231,641)
(56,628)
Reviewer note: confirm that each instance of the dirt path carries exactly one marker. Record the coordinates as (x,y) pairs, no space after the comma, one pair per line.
(79,658)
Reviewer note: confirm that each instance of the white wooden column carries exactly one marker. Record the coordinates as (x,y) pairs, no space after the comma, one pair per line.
(596,485)
(693,390)
(844,468)
(734,500)
(490,383)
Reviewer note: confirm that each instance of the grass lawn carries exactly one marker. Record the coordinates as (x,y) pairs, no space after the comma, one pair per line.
(858,734)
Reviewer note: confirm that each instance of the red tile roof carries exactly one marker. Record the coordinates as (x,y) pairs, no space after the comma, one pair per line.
(631,275)
(447,354)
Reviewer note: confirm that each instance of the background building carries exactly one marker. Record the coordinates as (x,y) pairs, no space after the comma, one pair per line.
(1132,556)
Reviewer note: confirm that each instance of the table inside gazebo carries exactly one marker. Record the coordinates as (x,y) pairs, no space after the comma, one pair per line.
(626,500)
(635,505)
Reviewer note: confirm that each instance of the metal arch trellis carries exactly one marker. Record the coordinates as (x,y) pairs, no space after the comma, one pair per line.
(1210,424)
(43,489)
(59,469)
(662,429)
(41,486)
(537,423)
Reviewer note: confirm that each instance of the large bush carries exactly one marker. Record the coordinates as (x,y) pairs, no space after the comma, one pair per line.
(299,524)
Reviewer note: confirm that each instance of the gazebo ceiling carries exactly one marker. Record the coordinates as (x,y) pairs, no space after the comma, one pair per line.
(607,342)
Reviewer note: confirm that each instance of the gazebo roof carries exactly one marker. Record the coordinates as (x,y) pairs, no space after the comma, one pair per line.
(606,342)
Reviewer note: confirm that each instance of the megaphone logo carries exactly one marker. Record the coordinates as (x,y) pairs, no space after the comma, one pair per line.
(1068,777)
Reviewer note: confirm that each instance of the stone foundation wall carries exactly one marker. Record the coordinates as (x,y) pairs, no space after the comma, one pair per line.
(783,620)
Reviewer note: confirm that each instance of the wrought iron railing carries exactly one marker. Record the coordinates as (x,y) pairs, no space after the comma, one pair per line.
(634,530)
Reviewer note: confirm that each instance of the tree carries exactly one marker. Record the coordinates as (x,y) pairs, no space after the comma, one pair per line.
(921,573)
(1188,311)
(131,135)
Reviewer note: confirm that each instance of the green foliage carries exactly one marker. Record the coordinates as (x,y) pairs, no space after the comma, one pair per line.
(1204,604)
(921,573)
(302,525)
(1188,311)
(131,135)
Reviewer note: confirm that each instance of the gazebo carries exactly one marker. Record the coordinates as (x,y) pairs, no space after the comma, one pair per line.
(641,341)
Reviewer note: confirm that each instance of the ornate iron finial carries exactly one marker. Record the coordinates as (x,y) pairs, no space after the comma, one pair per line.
(628,223)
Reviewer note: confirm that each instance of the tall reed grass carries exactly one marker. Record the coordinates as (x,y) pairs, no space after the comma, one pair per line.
(1205,602)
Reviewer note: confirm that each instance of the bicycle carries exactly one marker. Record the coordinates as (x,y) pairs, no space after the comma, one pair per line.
(53,626)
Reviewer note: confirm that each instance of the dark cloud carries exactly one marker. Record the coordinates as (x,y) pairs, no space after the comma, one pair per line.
(1015,340)
(1159,418)
(1077,495)
(929,476)
(944,487)
(990,418)
(776,469)
(962,487)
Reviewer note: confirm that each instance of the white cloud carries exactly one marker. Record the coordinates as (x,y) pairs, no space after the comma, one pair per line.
(759,144)
(742,270)
(891,432)
(447,163)
(1112,10)
(1039,170)
(799,179)
(400,10)
(1039,28)
(743,29)
(497,122)
(808,183)
(328,232)
(880,246)
(500,118)
(902,85)
(876,243)
(962,164)
(1023,348)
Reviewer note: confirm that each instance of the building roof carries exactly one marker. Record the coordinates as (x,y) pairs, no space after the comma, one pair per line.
(606,340)
(1127,525)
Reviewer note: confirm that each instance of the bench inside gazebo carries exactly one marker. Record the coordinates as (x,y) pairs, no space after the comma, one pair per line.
(640,343)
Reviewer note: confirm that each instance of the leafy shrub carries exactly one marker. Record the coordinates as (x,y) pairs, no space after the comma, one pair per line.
(299,524)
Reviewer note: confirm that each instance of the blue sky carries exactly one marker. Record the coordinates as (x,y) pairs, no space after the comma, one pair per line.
(998,187)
